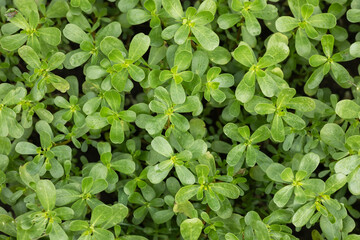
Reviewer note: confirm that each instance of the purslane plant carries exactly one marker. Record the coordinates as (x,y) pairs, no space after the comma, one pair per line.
(169,119)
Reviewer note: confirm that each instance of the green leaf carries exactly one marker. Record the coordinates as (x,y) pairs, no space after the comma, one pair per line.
(185,193)
(246,88)
(265,108)
(126,5)
(334,183)
(341,75)
(137,16)
(275,53)
(26,6)
(14,96)
(25,148)
(303,214)
(162,146)
(353,142)
(277,129)
(99,184)
(235,154)
(138,46)
(228,190)
(244,55)
(302,104)
(316,78)
(117,132)
(59,83)
(56,60)
(61,102)
(57,9)
(203,17)
(136,73)
(302,43)
(206,37)
(113,98)
(220,55)
(13,42)
(78,225)
(311,31)
(317,60)
(191,104)
(177,93)
(327,42)
(355,49)
(228,20)
(173,8)
(57,232)
(322,20)
(354,182)
(64,213)
(50,35)
(180,122)
(100,214)
(79,58)
(267,85)
(191,229)
(95,121)
(282,196)
(125,166)
(333,135)
(7,225)
(182,60)
(309,163)
(185,176)
(287,175)
(111,43)
(230,236)
(95,72)
(306,11)
(182,34)
(353,15)
(29,56)
(251,23)
(261,231)
(294,120)
(119,212)
(75,33)
(260,134)
(163,216)
(212,200)
(285,96)
(46,193)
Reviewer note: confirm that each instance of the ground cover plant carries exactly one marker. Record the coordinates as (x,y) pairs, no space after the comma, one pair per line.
(169,119)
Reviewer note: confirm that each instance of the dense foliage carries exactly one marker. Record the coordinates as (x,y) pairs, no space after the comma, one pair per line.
(169,119)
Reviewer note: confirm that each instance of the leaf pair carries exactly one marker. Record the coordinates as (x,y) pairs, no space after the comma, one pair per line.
(277,51)
(328,63)
(118,70)
(117,118)
(285,99)
(88,44)
(102,218)
(28,20)
(248,142)
(306,23)
(160,171)
(298,182)
(168,112)
(42,71)
(251,11)
(10,96)
(215,82)
(193,21)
